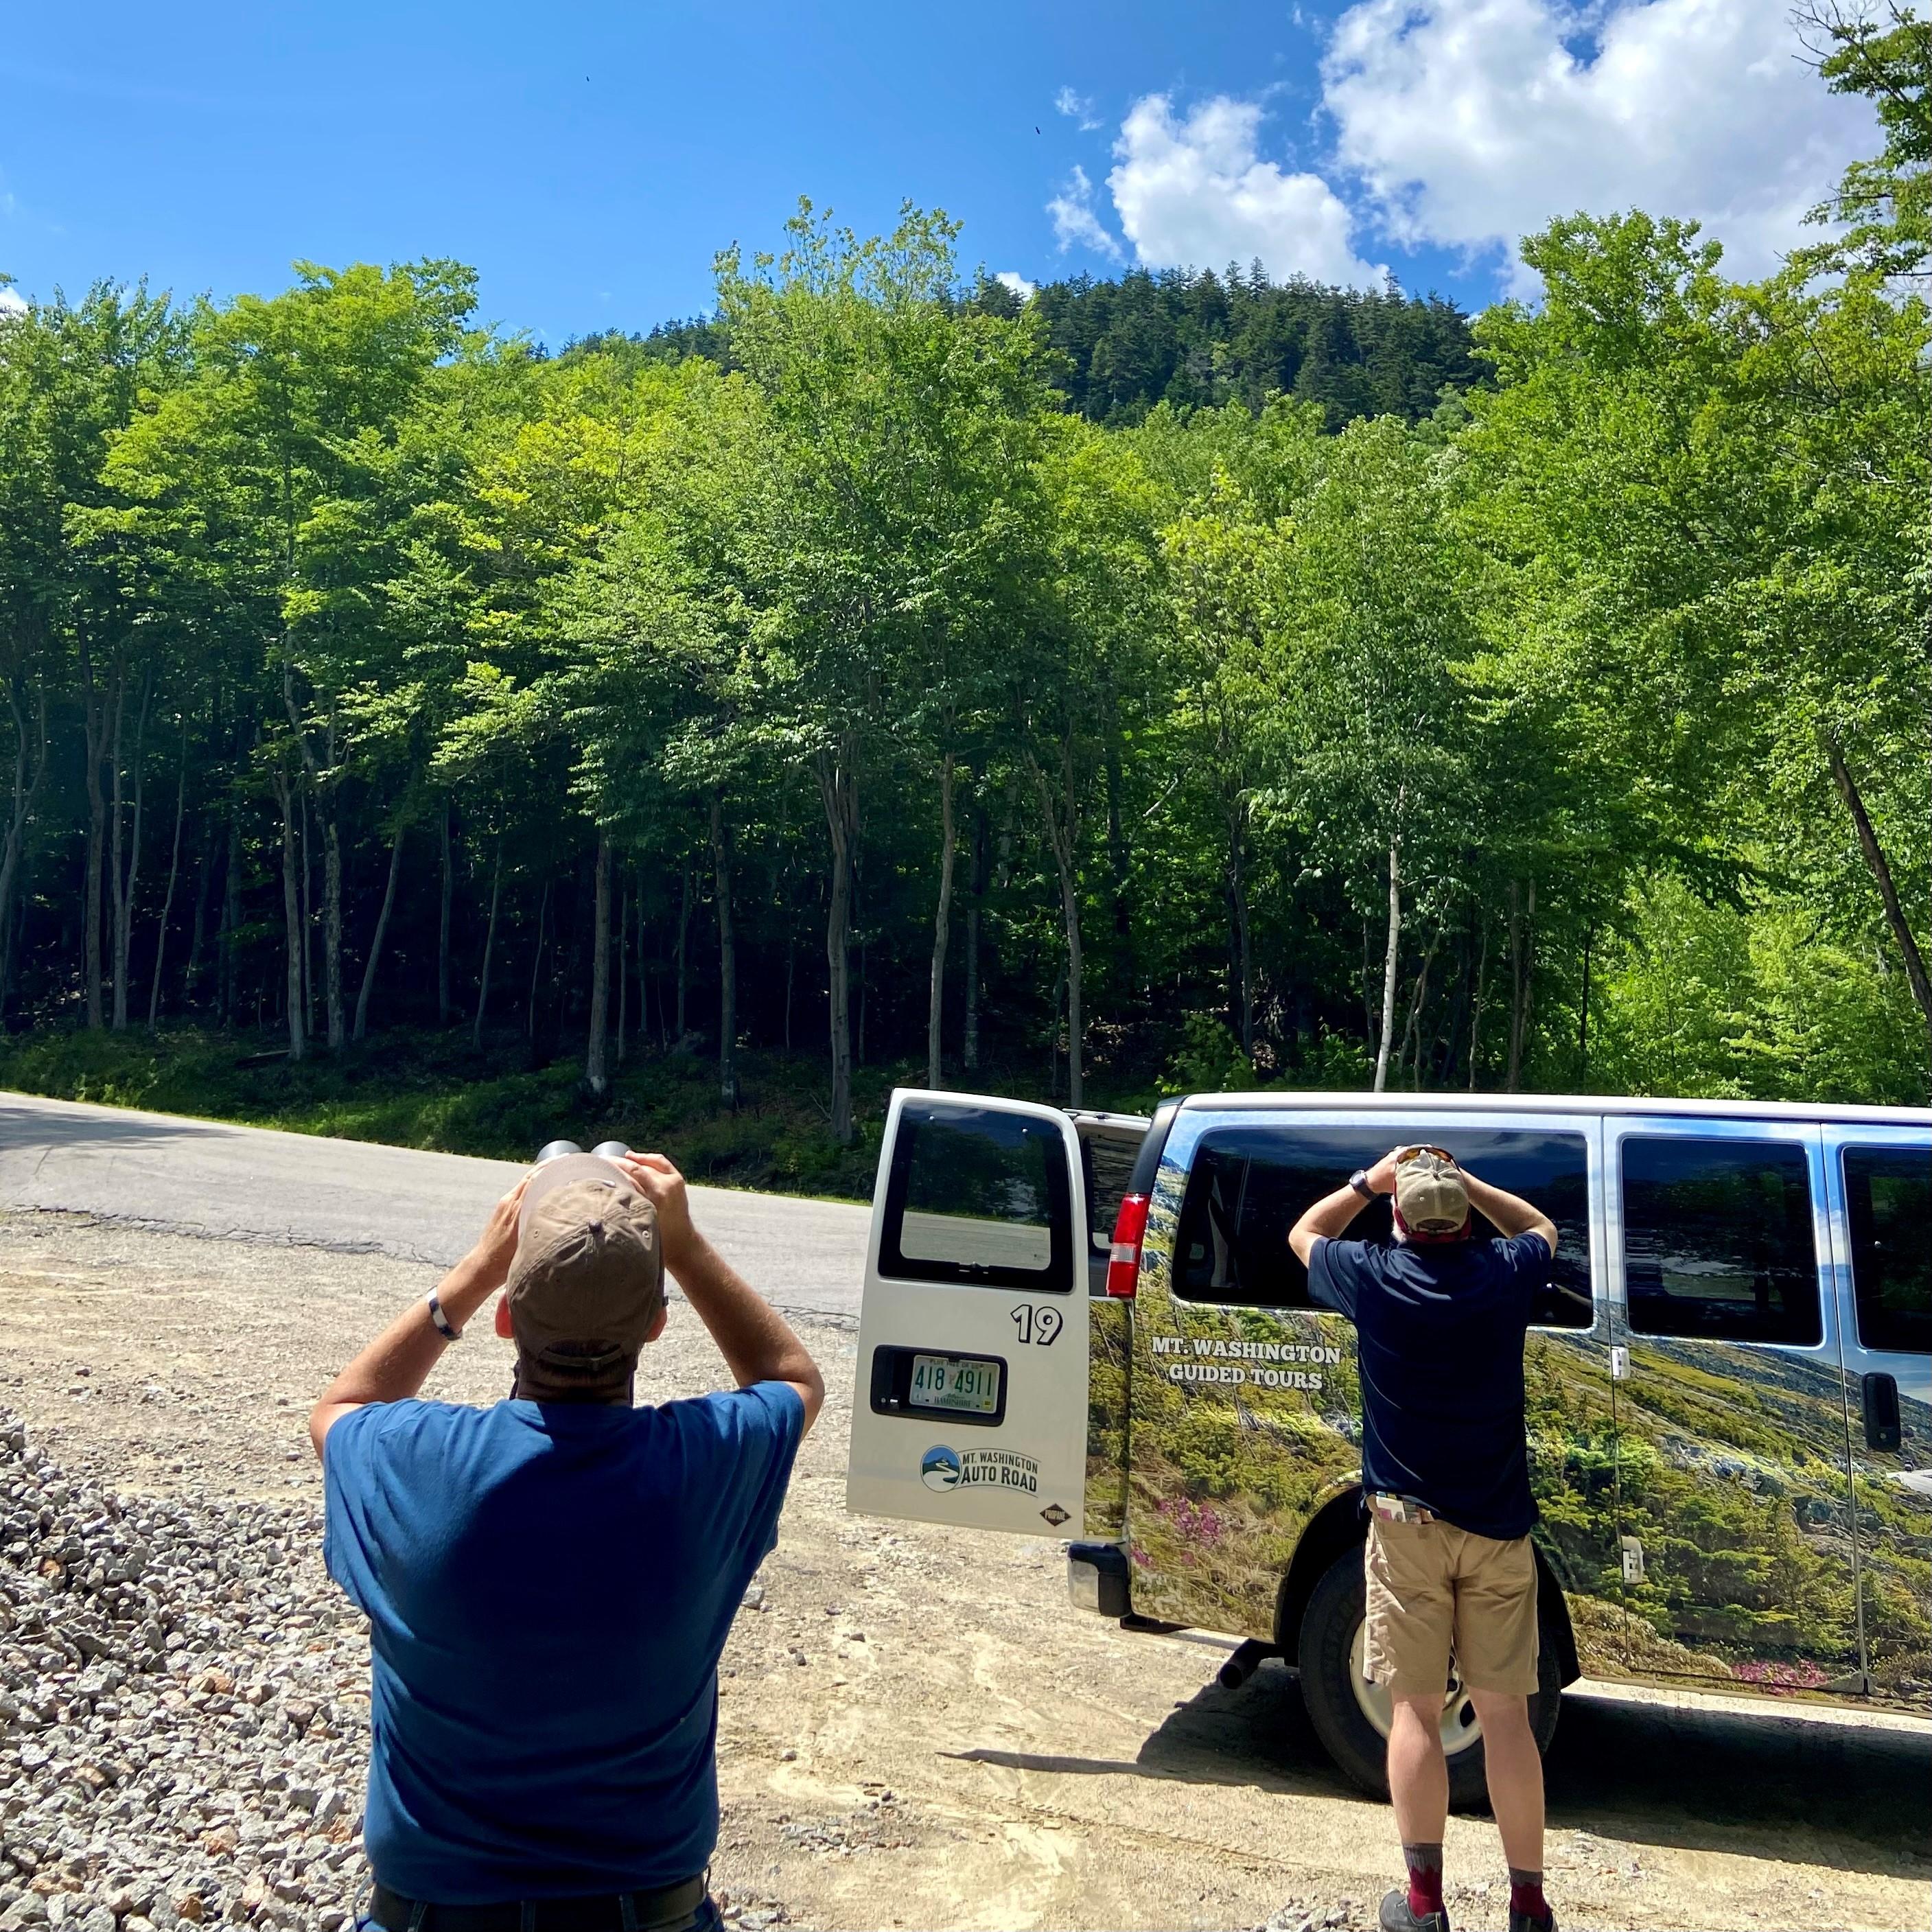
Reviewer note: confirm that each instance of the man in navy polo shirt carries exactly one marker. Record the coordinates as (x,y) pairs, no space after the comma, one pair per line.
(1440,1318)
(549,1581)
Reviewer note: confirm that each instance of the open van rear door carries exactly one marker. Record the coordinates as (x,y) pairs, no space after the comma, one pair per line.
(971,1406)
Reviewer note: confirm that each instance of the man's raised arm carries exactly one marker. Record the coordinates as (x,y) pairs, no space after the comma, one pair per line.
(395,1365)
(756,1341)
(1331,1216)
(1510,1214)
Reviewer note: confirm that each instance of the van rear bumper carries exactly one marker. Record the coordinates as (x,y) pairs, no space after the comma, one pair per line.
(1096,1579)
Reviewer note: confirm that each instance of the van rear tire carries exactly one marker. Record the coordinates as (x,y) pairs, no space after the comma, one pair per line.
(1329,1660)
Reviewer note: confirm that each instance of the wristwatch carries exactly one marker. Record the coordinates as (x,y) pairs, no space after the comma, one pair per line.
(1359,1181)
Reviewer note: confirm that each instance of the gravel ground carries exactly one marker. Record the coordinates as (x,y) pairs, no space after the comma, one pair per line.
(914,1728)
(187,1725)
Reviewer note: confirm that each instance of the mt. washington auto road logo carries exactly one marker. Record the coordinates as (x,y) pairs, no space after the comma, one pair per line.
(943,1468)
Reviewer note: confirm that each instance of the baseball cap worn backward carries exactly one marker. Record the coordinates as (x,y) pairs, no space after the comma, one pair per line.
(587,1279)
(1429,1193)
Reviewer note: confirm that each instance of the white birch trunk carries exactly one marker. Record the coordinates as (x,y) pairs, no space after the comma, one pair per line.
(1391,959)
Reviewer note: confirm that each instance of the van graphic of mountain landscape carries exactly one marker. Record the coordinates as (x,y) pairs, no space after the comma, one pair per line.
(939,1468)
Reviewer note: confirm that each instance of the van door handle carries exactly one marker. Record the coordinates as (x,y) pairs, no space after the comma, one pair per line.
(1879,1395)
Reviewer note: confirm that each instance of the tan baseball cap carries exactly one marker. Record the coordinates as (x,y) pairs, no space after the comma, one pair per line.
(587,1278)
(1430,1195)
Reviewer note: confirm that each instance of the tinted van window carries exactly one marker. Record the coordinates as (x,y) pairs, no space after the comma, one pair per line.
(1108,1159)
(1718,1239)
(1888,1200)
(980,1198)
(1250,1185)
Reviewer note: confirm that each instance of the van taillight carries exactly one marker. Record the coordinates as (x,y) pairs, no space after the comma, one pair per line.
(1123,1259)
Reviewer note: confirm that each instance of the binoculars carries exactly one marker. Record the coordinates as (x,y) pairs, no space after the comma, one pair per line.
(559,1150)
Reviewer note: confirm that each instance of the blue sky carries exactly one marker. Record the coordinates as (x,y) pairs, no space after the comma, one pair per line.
(589,160)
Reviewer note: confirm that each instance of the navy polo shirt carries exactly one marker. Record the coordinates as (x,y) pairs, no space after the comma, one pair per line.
(1440,1328)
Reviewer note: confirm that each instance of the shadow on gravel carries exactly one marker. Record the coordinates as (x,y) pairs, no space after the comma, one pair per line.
(1755,1784)
(1259,1736)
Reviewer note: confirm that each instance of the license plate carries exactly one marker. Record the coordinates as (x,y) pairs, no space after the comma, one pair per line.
(954,1382)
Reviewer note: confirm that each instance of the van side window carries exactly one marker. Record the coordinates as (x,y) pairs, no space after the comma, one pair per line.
(1719,1241)
(978,1197)
(1888,1200)
(1249,1185)
(1107,1163)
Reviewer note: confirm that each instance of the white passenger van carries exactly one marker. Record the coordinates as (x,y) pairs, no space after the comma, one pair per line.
(1090,1325)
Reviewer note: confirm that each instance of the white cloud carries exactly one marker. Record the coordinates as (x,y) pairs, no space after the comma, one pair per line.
(1474,122)
(1195,193)
(11,302)
(1074,220)
(1012,278)
(1076,107)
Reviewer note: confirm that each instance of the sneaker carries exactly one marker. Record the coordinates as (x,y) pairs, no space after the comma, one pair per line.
(1521,1922)
(1396,1916)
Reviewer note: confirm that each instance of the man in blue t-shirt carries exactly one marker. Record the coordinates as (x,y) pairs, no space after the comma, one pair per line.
(549,1581)
(1440,1318)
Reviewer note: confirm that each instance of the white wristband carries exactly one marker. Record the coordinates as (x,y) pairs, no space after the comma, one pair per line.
(434,1302)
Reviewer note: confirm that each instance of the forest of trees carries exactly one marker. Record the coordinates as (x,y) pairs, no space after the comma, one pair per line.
(1180,678)
(1195,340)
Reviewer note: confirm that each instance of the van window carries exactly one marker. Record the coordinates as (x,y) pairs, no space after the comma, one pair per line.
(979,1197)
(1108,1159)
(1718,1239)
(1249,1185)
(1888,1200)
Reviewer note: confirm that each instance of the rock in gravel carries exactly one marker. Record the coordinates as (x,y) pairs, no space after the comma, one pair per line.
(183,1710)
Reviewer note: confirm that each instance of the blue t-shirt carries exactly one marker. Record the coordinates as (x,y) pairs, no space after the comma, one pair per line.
(1439,1328)
(548,1588)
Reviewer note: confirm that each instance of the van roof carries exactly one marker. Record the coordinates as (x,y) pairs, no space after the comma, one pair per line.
(1553,1103)
(1101,1121)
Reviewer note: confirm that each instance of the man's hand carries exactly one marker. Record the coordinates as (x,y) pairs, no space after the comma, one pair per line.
(663,1186)
(1380,1179)
(488,1266)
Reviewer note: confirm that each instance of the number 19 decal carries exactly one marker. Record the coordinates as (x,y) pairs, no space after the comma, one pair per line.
(1037,1325)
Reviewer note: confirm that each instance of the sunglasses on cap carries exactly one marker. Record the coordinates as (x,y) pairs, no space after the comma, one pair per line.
(1409,1153)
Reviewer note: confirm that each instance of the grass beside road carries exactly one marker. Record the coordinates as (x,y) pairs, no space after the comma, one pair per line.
(427,1089)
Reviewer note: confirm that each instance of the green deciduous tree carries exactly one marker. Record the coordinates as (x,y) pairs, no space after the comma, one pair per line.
(273,462)
(1713,501)
(1292,684)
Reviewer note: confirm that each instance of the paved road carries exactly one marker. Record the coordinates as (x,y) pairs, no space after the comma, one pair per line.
(249,1183)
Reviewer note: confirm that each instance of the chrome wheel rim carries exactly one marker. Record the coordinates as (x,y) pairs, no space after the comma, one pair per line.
(1461,1727)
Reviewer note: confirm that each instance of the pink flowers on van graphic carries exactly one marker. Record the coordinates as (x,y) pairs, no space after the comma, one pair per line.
(1801,1676)
(1199,1522)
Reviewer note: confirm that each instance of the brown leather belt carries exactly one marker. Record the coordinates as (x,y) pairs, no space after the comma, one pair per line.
(608,1912)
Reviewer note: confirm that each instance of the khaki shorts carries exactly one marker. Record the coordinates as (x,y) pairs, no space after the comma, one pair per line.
(1433,1589)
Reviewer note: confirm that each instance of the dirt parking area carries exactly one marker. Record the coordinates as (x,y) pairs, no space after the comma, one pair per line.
(917,1731)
